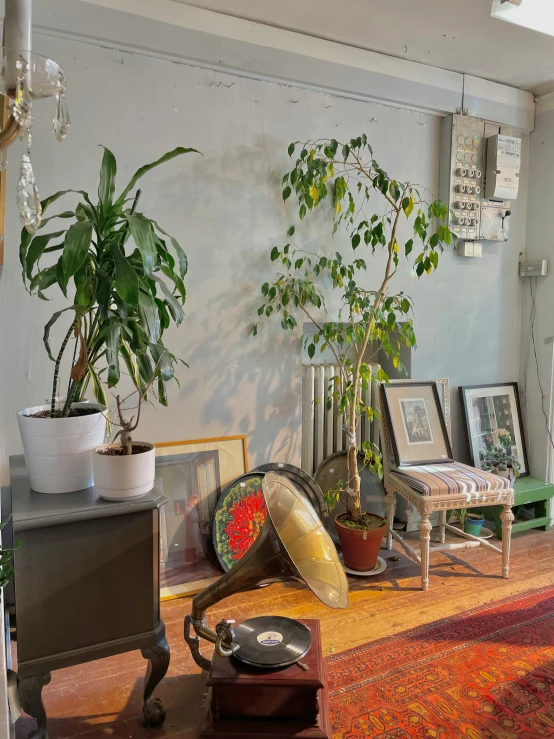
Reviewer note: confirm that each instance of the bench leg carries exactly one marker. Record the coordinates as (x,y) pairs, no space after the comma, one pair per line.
(442,530)
(542,510)
(507,517)
(424,538)
(391,506)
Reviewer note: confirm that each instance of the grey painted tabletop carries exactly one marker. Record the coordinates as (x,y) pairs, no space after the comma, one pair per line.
(35,510)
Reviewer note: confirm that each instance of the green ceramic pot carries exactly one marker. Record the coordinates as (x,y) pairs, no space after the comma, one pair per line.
(473,526)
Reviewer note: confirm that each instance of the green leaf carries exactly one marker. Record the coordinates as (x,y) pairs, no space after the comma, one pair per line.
(408,246)
(106,187)
(143,236)
(175,308)
(76,246)
(60,277)
(98,389)
(36,249)
(52,198)
(290,232)
(44,279)
(286,192)
(345,152)
(355,240)
(291,149)
(311,350)
(83,283)
(51,322)
(274,253)
(126,280)
(162,392)
(149,316)
(162,361)
(113,344)
(147,167)
(182,257)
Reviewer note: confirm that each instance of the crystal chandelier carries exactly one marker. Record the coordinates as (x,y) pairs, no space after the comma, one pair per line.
(26,77)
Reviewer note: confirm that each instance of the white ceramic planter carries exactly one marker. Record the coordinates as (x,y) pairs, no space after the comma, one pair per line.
(59,451)
(121,478)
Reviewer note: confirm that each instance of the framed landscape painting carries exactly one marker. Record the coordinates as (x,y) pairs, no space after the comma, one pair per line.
(191,475)
(494,426)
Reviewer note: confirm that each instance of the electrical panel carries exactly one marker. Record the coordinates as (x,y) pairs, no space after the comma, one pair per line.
(503,165)
(462,183)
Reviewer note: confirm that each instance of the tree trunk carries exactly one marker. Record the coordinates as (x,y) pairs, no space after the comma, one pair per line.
(353,473)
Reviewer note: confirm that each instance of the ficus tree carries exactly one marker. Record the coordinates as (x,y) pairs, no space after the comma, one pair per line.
(347,175)
(123,275)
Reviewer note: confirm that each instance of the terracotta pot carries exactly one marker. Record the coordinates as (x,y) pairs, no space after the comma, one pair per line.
(360,548)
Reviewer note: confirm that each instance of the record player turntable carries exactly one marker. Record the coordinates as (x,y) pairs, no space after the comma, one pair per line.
(270,668)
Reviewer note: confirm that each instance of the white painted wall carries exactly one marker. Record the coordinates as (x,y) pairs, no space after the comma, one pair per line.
(226,210)
(540,226)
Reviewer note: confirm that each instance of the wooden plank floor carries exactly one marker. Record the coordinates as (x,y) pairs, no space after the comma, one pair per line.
(103,698)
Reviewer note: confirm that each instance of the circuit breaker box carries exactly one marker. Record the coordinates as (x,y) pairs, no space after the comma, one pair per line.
(466,174)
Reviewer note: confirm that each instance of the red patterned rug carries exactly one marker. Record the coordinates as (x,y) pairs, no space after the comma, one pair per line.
(485,674)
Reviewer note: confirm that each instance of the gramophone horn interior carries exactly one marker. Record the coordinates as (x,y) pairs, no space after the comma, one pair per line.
(307,542)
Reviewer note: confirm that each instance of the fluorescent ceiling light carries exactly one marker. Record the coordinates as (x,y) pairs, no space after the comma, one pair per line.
(538,15)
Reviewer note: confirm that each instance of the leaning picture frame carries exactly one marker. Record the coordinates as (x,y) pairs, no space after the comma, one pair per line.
(494,425)
(191,475)
(414,414)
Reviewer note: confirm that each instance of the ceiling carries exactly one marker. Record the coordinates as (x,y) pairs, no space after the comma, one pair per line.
(459,35)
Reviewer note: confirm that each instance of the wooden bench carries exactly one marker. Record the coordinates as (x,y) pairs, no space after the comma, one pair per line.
(528,491)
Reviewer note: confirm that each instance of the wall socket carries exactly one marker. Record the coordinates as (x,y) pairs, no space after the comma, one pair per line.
(469,249)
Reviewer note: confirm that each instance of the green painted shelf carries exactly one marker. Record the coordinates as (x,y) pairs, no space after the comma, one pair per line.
(533,493)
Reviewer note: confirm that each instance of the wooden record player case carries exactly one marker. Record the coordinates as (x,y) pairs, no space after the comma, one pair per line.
(257,704)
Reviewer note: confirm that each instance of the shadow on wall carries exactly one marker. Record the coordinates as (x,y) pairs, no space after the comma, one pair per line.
(249,385)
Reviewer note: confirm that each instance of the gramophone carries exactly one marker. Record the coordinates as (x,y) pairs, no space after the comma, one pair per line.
(278,660)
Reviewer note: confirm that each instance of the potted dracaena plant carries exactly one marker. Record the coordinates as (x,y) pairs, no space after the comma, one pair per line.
(123,275)
(371,315)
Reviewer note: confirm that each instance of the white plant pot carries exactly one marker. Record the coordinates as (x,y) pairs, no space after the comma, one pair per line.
(124,477)
(59,451)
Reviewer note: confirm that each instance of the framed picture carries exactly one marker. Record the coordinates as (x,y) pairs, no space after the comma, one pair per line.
(191,475)
(417,428)
(493,424)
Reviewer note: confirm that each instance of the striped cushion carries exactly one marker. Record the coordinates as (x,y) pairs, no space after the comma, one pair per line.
(450,478)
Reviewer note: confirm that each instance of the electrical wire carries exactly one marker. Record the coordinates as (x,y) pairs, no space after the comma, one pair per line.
(533,314)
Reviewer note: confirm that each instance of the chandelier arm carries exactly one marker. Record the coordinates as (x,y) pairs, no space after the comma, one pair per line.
(9,133)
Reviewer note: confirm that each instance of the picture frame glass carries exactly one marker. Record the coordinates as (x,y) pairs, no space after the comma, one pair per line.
(191,476)
(494,426)
(416,421)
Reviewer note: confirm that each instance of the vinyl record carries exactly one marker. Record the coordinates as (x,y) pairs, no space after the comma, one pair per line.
(304,482)
(238,519)
(271,641)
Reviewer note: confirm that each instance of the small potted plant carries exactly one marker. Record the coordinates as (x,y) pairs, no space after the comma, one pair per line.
(371,316)
(471,523)
(126,469)
(128,277)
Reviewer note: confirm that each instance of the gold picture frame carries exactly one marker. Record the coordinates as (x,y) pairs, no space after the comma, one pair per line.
(191,474)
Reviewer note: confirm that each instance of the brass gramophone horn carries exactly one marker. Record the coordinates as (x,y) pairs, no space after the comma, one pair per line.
(292,545)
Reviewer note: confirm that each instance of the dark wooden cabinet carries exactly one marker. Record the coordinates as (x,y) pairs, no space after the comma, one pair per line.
(86,585)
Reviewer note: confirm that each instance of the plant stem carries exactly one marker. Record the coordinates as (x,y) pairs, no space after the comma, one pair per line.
(353,407)
(57,370)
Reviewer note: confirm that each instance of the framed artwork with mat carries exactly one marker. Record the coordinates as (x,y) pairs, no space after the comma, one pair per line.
(418,430)
(191,475)
(494,425)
